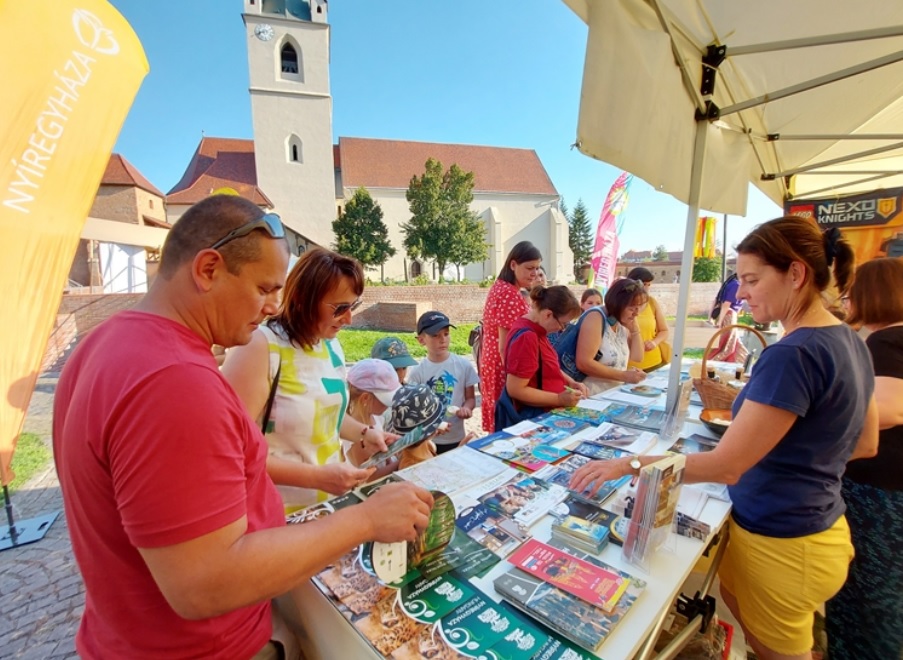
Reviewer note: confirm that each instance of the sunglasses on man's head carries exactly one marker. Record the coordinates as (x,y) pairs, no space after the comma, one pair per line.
(269,223)
(339,309)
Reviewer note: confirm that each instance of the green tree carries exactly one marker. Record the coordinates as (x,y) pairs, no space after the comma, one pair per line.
(580,237)
(660,254)
(564,210)
(442,226)
(706,269)
(360,231)
(472,246)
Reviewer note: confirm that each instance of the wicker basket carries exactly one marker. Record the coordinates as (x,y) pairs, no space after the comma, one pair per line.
(715,395)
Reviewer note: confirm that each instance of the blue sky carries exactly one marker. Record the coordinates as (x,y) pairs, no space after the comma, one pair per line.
(502,73)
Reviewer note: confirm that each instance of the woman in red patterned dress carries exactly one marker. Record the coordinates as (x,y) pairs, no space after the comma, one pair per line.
(504,305)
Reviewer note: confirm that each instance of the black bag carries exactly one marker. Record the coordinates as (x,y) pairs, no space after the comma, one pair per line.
(507,412)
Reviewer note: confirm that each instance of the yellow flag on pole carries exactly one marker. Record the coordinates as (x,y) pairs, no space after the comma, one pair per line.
(70,72)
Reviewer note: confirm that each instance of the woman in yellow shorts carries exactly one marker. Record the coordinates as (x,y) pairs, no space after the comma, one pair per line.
(806,411)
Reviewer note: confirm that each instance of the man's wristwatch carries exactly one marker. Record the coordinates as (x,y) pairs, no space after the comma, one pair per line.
(636,466)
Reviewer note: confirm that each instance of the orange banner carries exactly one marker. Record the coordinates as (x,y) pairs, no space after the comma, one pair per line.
(70,72)
(871,222)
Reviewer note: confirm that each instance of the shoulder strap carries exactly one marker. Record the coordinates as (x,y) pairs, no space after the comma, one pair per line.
(270,398)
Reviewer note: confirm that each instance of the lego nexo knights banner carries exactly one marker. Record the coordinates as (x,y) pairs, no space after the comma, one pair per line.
(70,70)
(871,222)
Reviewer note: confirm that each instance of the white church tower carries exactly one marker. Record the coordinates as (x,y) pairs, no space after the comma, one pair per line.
(291,109)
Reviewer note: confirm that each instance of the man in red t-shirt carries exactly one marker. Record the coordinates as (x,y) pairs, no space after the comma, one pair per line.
(175,525)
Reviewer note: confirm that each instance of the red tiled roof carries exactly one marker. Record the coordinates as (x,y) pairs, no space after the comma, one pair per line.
(392,163)
(153,222)
(219,163)
(121,172)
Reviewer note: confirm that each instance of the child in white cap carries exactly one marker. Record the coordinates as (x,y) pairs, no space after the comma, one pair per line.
(371,385)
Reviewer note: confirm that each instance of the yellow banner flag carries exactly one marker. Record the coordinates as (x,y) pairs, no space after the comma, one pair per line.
(70,72)
(700,235)
(711,226)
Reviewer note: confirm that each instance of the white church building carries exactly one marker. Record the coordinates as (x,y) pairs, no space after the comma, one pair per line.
(293,167)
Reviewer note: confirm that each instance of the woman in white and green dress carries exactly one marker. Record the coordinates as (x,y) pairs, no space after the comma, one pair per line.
(298,349)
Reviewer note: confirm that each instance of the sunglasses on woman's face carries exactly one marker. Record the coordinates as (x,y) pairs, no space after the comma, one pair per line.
(340,309)
(269,223)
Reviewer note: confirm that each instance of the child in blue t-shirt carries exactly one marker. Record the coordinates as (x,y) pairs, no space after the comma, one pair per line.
(452,377)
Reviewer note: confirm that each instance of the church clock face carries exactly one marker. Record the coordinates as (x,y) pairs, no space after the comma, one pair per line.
(264,32)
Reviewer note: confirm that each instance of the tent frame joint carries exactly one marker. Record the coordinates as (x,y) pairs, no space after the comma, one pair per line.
(712,59)
(712,112)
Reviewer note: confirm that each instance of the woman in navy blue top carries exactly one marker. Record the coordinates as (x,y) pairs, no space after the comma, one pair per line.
(806,411)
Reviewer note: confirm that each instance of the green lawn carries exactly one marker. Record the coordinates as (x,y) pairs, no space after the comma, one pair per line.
(30,458)
(357,343)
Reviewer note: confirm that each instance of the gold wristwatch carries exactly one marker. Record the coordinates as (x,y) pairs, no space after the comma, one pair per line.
(636,465)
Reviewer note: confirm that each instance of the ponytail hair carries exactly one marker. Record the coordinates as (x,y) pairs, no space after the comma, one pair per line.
(791,238)
(557,299)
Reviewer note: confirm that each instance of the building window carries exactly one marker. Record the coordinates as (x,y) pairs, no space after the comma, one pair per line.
(289,60)
(294,149)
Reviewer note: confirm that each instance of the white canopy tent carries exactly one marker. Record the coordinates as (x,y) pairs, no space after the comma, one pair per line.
(701,97)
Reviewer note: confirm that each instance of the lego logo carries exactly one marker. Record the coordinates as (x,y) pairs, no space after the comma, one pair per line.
(92,33)
(807,211)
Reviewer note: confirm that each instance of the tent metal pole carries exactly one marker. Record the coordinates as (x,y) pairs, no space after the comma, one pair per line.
(847,184)
(783,137)
(686,76)
(686,264)
(834,161)
(805,86)
(875,173)
(822,40)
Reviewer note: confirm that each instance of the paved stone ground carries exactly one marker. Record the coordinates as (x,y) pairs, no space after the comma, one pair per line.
(41,591)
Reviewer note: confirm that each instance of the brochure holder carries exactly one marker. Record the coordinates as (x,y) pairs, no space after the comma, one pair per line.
(676,414)
(649,529)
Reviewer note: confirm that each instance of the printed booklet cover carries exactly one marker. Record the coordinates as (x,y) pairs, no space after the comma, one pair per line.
(646,419)
(524,498)
(561,474)
(433,551)
(491,529)
(693,444)
(528,445)
(593,584)
(631,440)
(567,615)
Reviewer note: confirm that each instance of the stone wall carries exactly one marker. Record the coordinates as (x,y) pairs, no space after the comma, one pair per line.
(91,309)
(463,303)
(394,308)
